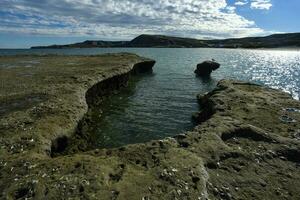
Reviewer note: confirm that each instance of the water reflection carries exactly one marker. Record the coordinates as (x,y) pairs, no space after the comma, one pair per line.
(161,104)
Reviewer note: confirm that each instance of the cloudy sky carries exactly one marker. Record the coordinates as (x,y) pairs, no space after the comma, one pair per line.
(24,23)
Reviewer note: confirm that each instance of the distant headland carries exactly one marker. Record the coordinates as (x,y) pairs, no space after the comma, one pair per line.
(162,41)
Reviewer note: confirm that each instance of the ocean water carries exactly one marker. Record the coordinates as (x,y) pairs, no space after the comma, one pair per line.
(161,103)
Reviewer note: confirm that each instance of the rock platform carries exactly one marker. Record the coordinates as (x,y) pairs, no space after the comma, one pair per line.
(245,146)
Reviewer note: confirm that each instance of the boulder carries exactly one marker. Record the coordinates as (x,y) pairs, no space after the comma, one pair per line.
(205,68)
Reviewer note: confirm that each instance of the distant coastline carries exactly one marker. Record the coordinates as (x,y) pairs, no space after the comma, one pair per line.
(282,41)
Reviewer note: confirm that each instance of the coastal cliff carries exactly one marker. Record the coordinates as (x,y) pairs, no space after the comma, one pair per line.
(245,146)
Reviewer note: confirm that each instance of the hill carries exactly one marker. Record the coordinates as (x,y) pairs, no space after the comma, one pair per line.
(272,41)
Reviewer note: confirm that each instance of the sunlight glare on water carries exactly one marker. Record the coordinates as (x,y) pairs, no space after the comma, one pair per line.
(277,69)
(161,104)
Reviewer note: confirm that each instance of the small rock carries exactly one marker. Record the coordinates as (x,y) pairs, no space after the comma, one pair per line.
(179,192)
(205,68)
(263,183)
(282,158)
(174,170)
(215,191)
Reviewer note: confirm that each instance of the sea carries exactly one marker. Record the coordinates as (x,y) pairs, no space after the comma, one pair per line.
(161,104)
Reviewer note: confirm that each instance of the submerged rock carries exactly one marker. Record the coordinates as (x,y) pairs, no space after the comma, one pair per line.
(205,68)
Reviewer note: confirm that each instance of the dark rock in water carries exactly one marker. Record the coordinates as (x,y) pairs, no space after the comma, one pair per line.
(205,68)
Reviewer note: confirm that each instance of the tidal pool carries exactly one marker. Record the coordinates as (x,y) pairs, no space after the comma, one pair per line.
(160,104)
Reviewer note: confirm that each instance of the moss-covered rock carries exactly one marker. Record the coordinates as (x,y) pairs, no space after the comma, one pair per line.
(246,145)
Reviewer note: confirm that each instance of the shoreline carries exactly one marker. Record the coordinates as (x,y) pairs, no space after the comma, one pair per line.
(292,49)
(61,109)
(243,145)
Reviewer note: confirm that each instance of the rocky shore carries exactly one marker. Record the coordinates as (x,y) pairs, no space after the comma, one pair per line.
(245,146)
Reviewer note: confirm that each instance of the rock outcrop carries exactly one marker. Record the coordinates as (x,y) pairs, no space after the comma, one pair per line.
(242,148)
(205,68)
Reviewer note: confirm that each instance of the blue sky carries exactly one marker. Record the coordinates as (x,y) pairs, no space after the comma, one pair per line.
(25,23)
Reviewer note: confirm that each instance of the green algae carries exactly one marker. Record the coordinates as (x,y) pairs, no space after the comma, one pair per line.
(239,150)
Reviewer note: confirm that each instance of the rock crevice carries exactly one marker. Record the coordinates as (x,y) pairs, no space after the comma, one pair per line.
(79,141)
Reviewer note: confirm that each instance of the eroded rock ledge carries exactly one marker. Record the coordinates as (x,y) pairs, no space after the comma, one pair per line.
(79,140)
(246,147)
(43,98)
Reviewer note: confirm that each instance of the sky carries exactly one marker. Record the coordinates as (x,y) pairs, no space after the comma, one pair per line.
(25,23)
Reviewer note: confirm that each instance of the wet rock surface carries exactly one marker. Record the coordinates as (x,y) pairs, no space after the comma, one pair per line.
(241,149)
(205,68)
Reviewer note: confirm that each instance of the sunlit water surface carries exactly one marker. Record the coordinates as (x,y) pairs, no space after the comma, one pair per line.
(161,104)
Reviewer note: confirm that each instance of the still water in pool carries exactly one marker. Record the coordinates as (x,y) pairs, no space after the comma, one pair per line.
(160,104)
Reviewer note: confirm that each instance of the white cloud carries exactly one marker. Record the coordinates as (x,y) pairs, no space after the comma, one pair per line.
(241,3)
(261,4)
(231,9)
(124,19)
